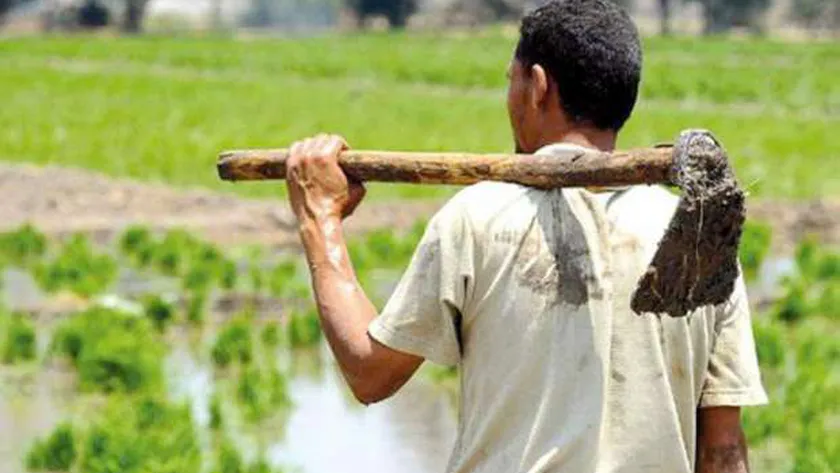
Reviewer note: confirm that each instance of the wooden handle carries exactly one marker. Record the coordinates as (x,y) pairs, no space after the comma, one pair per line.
(566,168)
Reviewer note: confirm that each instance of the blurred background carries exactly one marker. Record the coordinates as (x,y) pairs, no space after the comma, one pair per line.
(154,319)
(795,18)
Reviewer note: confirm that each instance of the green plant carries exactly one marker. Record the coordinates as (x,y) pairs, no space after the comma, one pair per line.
(56,453)
(216,419)
(260,392)
(304,329)
(137,243)
(196,307)
(229,460)
(111,351)
(141,435)
(233,343)
(770,344)
(271,334)
(20,343)
(228,275)
(755,243)
(278,389)
(249,392)
(255,272)
(815,289)
(282,277)
(160,312)
(261,466)
(22,247)
(77,269)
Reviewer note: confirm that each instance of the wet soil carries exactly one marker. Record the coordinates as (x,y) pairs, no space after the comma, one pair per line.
(696,263)
(61,201)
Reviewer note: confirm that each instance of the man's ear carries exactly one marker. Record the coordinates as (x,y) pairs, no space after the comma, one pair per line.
(539,86)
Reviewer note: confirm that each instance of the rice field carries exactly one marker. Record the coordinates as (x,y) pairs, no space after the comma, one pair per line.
(161,108)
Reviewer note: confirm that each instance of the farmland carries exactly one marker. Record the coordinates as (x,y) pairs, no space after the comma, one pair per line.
(155,350)
(167,106)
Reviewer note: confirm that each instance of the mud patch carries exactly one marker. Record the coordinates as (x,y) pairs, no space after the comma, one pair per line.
(696,262)
(61,201)
(554,260)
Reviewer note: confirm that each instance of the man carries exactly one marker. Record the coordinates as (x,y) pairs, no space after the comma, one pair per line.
(528,291)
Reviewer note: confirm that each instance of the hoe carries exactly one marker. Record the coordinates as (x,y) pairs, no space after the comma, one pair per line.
(696,262)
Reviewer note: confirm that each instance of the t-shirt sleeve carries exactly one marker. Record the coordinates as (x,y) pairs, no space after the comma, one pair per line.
(422,316)
(733,377)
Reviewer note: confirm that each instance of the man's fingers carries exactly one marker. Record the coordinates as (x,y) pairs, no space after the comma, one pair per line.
(355,195)
(344,145)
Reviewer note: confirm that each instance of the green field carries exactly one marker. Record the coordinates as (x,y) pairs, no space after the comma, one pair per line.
(161,108)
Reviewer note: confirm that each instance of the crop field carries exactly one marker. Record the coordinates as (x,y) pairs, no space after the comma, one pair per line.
(155,350)
(161,109)
(244,312)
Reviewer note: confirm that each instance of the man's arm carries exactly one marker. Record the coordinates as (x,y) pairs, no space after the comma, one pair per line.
(321,197)
(721,445)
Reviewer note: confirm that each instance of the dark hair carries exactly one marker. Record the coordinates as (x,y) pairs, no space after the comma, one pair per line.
(591,50)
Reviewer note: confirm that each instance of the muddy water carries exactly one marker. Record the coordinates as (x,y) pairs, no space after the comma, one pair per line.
(325,431)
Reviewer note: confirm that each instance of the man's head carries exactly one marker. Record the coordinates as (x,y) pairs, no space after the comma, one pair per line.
(577,67)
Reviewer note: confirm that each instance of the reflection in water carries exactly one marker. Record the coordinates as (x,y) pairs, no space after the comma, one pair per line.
(328,431)
(32,402)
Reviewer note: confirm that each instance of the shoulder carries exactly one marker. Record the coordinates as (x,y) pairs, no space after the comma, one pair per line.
(479,205)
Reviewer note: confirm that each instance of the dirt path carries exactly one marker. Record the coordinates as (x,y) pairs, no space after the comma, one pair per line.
(62,201)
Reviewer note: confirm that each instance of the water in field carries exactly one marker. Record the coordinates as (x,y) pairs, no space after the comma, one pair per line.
(326,430)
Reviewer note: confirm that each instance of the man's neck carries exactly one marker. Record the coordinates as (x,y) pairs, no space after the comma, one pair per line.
(603,140)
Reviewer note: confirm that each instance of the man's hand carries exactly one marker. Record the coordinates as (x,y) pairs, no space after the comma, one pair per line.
(318,188)
(721,446)
(321,195)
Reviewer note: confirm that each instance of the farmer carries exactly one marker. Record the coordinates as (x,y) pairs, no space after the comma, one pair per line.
(528,291)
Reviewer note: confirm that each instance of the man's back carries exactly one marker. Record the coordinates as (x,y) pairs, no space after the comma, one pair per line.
(529,291)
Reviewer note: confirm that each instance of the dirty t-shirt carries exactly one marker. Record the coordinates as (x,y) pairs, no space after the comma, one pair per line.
(528,291)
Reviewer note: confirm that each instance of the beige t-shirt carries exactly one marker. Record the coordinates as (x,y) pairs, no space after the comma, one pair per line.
(528,291)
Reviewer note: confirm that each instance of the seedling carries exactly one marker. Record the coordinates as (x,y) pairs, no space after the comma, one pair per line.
(304,329)
(140,435)
(23,247)
(233,344)
(271,334)
(56,453)
(20,342)
(159,311)
(111,351)
(755,243)
(216,419)
(77,269)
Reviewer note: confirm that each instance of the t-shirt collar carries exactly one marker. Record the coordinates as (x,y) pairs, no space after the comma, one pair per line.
(555,149)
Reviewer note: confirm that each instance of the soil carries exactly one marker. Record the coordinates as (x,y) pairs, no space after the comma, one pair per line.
(696,263)
(61,201)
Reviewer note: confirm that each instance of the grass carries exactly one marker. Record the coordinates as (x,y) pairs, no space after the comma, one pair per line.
(161,109)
